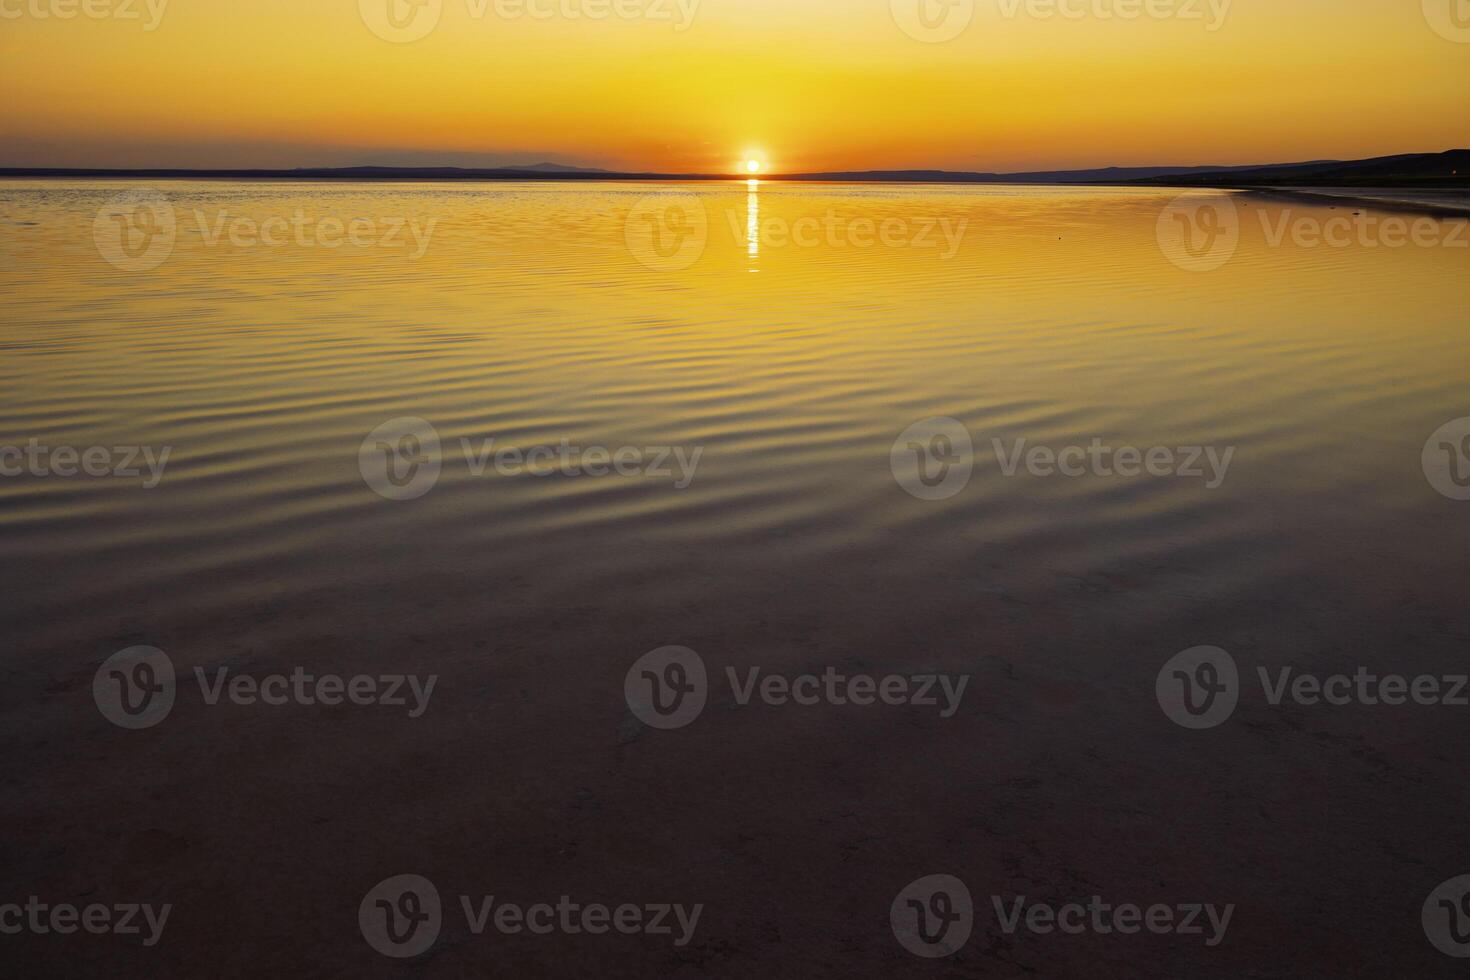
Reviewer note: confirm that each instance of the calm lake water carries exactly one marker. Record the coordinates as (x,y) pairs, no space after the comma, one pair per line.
(755,351)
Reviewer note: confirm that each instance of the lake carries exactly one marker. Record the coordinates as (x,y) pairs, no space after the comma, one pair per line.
(518,436)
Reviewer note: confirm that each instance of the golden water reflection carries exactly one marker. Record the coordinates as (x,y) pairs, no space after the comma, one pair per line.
(753,221)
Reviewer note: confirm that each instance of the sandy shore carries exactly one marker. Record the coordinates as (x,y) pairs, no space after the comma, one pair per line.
(1435,202)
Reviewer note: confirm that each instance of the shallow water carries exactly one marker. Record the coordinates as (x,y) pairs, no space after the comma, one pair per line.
(789,348)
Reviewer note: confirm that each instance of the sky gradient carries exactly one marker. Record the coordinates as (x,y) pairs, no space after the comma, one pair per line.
(802,84)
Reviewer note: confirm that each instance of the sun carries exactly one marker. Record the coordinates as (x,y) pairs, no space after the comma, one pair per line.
(752,166)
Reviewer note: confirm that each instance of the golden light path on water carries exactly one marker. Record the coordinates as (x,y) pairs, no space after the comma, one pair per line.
(753,221)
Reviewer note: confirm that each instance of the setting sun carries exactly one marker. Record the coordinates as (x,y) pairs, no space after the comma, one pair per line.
(753,166)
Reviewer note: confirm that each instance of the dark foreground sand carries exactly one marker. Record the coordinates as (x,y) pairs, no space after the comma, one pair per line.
(529,779)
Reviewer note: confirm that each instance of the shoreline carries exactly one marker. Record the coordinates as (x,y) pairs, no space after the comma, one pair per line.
(1441,192)
(1438,203)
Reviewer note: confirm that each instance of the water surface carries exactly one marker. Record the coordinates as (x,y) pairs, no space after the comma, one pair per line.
(533,316)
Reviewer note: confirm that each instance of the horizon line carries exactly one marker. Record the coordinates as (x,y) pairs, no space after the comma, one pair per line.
(548,171)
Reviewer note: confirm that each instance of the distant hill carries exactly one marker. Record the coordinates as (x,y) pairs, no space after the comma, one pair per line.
(1405,171)
(1102,175)
(539,171)
(559,168)
(552,171)
(1411,170)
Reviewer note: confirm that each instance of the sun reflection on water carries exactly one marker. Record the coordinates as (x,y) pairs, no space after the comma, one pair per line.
(753,221)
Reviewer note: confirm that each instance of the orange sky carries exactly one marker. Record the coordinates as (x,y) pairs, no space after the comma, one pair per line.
(804,84)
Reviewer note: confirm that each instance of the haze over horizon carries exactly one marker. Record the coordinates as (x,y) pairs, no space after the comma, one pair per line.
(802,85)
